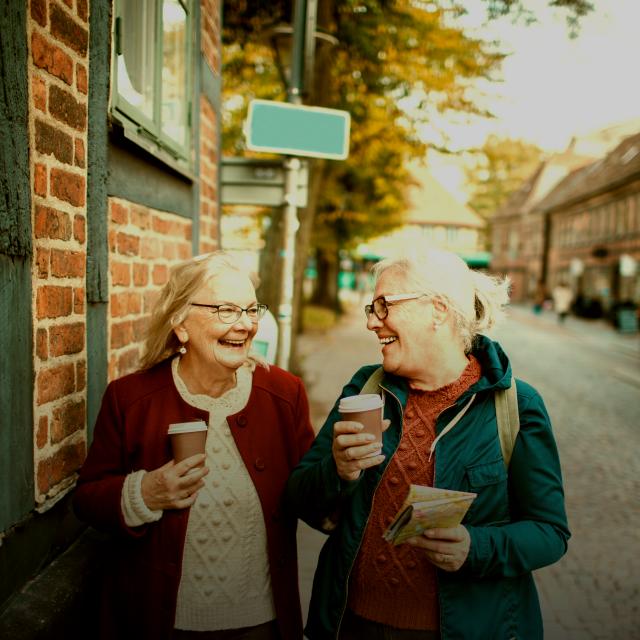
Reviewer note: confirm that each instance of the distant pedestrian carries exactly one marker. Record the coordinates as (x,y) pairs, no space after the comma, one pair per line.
(562,299)
(539,297)
(199,554)
(473,581)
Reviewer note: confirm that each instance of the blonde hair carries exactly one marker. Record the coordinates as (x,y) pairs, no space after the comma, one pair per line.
(172,306)
(476,300)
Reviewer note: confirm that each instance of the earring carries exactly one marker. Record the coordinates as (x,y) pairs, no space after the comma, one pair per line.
(182,350)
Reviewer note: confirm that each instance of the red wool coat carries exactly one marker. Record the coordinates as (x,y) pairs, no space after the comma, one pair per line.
(272,433)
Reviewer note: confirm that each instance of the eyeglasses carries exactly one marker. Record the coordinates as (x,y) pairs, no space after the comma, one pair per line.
(230,313)
(380,306)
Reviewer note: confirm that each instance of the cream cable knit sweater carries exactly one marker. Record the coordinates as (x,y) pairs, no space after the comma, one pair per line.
(225,582)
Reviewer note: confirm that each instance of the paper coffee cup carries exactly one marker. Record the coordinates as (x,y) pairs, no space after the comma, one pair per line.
(187,438)
(366,409)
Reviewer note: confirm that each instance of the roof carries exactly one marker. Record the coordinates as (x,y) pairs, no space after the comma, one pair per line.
(430,203)
(621,165)
(546,176)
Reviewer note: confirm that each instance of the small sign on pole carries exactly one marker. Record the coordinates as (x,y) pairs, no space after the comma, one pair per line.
(280,127)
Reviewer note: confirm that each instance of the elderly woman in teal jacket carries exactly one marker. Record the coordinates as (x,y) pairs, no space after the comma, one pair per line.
(469,581)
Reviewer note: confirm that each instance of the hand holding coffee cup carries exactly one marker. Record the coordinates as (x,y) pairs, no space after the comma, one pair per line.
(357,438)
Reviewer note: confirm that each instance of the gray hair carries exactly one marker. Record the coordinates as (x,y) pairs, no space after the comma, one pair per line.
(172,306)
(476,300)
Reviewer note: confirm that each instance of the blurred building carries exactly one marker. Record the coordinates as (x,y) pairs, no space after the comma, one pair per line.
(524,245)
(593,217)
(110,121)
(434,218)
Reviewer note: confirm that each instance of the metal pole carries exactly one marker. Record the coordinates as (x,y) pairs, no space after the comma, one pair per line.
(292,169)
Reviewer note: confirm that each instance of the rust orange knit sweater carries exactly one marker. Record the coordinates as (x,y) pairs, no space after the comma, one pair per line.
(397,586)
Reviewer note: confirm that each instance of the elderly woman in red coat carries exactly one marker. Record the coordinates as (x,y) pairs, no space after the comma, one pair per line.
(203,550)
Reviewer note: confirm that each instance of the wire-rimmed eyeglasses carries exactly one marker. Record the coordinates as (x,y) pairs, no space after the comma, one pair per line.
(230,313)
(380,306)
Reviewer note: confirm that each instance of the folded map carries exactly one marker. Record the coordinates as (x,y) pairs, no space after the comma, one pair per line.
(427,508)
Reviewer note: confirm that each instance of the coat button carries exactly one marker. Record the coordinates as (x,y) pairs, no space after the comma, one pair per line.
(381,558)
(259,464)
(241,421)
(412,466)
(411,564)
(409,413)
(420,433)
(394,480)
(394,581)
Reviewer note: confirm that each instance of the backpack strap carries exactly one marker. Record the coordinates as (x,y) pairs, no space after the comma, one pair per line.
(506,401)
(373,382)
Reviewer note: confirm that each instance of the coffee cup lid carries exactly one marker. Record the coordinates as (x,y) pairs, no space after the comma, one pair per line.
(362,402)
(187,427)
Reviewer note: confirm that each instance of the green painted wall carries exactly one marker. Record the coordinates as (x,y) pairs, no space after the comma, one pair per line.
(16,323)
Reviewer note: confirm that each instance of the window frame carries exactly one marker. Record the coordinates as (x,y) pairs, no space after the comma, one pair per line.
(136,126)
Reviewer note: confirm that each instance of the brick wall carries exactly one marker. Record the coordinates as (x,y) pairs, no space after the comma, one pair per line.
(58,78)
(210,45)
(143,245)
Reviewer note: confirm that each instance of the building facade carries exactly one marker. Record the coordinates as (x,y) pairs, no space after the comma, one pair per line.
(110,124)
(594,222)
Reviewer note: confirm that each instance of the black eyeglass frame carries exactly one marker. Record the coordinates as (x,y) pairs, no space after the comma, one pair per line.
(389,301)
(260,308)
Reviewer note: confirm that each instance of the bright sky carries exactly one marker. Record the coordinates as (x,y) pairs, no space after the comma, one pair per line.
(556,87)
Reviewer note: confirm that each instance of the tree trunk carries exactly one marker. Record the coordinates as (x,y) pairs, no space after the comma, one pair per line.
(269,291)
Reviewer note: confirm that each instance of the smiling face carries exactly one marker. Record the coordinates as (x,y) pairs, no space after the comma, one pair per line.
(406,334)
(220,347)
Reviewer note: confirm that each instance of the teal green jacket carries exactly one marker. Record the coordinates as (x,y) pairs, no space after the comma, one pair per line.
(517,523)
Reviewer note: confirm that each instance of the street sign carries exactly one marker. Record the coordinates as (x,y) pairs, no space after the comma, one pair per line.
(280,127)
(259,182)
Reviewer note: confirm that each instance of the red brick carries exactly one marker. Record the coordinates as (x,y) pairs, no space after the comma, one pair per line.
(40,180)
(160,274)
(39,12)
(140,326)
(52,141)
(42,262)
(140,217)
(120,274)
(121,334)
(83,12)
(61,465)
(169,250)
(119,213)
(41,344)
(150,298)
(66,339)
(42,433)
(39,90)
(67,419)
(79,229)
(184,251)
(161,225)
(67,264)
(64,107)
(67,186)
(55,383)
(112,240)
(51,58)
(128,361)
(51,223)
(150,248)
(81,375)
(140,274)
(67,30)
(53,302)
(125,303)
(78,300)
(128,245)
(81,78)
(78,153)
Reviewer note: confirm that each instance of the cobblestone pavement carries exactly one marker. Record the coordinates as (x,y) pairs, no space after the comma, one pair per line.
(589,376)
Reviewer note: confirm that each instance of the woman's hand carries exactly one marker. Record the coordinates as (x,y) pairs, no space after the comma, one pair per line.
(172,486)
(446,548)
(354,451)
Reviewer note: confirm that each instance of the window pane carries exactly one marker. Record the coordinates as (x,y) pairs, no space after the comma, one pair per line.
(174,59)
(135,67)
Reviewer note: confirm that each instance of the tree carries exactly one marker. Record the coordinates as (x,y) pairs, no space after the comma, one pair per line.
(389,51)
(500,169)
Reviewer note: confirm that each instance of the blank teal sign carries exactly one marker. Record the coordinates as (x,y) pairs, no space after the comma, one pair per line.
(297,130)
